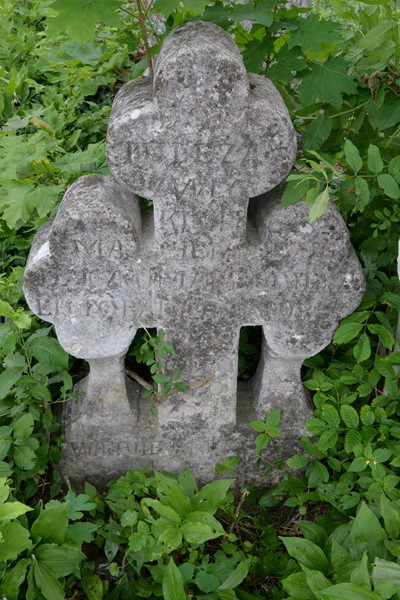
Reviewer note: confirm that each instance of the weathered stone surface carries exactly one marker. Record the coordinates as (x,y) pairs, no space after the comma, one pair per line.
(199,141)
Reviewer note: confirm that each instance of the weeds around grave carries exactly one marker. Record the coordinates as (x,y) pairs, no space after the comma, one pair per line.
(338,70)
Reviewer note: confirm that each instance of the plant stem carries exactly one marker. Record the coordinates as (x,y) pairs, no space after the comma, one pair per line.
(145,38)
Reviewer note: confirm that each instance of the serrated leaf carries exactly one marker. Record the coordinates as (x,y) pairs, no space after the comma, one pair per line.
(394,168)
(295,191)
(349,415)
(319,205)
(326,81)
(362,193)
(375,162)
(8,379)
(48,351)
(346,332)
(317,132)
(298,461)
(173,584)
(352,155)
(362,350)
(385,336)
(389,185)
(313,33)
(80,17)
(328,439)
(389,114)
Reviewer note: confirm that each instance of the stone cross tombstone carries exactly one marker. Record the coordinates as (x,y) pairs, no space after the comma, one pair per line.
(199,140)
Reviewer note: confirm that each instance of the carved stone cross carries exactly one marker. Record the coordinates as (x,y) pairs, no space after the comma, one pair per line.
(199,140)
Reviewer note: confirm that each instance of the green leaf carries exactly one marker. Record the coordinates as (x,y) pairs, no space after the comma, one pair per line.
(394,168)
(164,511)
(6,310)
(196,7)
(47,582)
(288,60)
(14,539)
(259,12)
(385,335)
(206,582)
(297,587)
(211,496)
(352,155)
(13,579)
(367,535)
(12,510)
(319,205)
(359,464)
(48,351)
(171,493)
(377,35)
(326,81)
(77,504)
(298,461)
(165,7)
(389,185)
(62,560)
(389,114)
(237,575)
(362,350)
(52,524)
(349,415)
(273,418)
(173,584)
(317,132)
(346,332)
(306,553)
(8,379)
(328,439)
(24,457)
(171,538)
(316,580)
(385,570)
(93,587)
(375,162)
(230,595)
(201,527)
(347,591)
(314,33)
(362,193)
(390,517)
(187,482)
(80,17)
(295,191)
